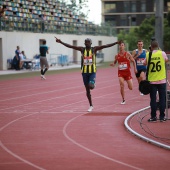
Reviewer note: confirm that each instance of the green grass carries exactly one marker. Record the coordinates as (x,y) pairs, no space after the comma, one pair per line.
(50,72)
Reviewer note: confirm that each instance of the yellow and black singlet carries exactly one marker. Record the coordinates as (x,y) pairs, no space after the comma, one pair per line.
(88,61)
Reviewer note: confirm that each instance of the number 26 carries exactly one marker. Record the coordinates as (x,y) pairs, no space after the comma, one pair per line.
(155,67)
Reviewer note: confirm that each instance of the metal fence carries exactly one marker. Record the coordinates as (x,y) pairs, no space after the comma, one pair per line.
(59,27)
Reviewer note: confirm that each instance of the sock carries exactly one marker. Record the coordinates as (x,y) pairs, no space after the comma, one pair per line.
(45,71)
(42,72)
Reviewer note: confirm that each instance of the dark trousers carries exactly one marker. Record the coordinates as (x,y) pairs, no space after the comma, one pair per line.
(161,88)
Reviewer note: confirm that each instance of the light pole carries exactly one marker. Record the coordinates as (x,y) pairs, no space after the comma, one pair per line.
(159,22)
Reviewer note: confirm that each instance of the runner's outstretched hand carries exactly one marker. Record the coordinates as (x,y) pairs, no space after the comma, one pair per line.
(58,40)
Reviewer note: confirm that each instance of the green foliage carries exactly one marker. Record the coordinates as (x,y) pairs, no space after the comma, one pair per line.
(79,7)
(145,32)
(168,18)
(130,39)
(166,36)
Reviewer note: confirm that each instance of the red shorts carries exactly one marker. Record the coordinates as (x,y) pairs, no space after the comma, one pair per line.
(126,74)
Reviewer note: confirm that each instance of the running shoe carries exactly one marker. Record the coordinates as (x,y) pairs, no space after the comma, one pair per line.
(90,109)
(123,102)
(141,94)
(162,120)
(43,77)
(152,119)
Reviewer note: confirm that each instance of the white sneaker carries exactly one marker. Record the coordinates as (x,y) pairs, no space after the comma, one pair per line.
(90,109)
(141,94)
(43,77)
(123,102)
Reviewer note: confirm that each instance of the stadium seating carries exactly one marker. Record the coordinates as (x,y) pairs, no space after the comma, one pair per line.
(26,15)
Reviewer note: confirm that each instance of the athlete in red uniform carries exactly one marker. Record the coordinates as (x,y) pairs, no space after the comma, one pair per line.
(124,74)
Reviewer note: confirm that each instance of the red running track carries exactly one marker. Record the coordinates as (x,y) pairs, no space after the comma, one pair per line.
(45,125)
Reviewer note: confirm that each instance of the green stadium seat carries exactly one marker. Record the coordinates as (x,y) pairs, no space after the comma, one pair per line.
(58,15)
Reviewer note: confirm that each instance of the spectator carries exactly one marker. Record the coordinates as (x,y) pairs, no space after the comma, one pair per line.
(43,17)
(139,55)
(43,59)
(157,78)
(2,14)
(123,58)
(16,59)
(17,52)
(22,58)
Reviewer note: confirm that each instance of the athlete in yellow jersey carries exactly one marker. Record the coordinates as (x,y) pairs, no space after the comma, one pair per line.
(157,78)
(88,64)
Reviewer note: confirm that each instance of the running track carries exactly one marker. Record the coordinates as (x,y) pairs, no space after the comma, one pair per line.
(44,125)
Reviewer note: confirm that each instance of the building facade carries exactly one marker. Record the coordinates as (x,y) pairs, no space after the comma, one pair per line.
(124,14)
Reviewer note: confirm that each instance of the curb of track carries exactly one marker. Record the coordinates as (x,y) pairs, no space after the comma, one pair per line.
(139,135)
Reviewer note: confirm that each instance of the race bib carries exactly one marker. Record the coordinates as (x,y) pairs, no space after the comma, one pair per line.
(123,66)
(88,60)
(140,61)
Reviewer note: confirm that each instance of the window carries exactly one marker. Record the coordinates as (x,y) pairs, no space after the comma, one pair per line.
(143,6)
(133,6)
(110,22)
(123,20)
(168,6)
(109,7)
(127,6)
(133,20)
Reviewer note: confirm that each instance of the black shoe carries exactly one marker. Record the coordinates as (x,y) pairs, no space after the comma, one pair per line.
(152,119)
(162,120)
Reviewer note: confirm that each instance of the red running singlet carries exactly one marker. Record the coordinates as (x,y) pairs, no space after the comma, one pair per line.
(124,67)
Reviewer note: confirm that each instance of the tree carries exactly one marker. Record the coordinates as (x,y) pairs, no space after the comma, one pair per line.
(145,32)
(166,36)
(168,18)
(130,39)
(79,7)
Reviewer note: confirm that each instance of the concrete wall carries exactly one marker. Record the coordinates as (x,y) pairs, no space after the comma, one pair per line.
(29,42)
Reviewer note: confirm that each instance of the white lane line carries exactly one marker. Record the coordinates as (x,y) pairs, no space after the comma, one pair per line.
(92,151)
(46,92)
(92,98)
(13,154)
(38,85)
(16,89)
(26,104)
(20,158)
(58,97)
(33,83)
(36,113)
(65,136)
